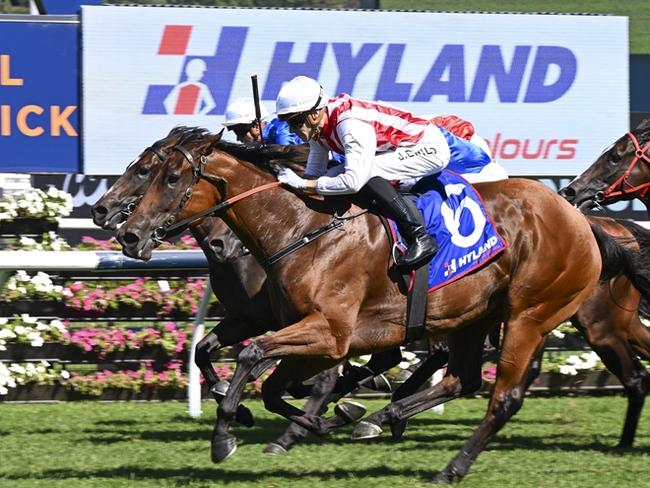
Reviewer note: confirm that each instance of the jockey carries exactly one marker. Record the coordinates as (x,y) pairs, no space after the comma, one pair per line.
(380,143)
(240,118)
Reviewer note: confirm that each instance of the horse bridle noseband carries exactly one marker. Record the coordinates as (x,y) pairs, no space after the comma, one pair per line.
(621,187)
(129,208)
(198,173)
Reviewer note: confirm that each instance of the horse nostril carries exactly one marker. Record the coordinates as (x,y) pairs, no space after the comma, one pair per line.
(99,211)
(568,193)
(217,245)
(130,238)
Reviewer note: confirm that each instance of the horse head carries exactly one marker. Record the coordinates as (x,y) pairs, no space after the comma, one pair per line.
(621,172)
(121,199)
(197,176)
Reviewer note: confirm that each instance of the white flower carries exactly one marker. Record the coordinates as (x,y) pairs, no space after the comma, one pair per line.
(3,320)
(65,374)
(568,369)
(7,334)
(557,333)
(17,368)
(26,318)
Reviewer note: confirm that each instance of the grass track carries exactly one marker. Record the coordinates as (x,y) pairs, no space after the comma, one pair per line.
(560,442)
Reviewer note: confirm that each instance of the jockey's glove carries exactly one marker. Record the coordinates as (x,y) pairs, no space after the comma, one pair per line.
(288,177)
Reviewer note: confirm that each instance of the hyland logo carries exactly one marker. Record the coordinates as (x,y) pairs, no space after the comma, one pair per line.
(204,82)
(450,267)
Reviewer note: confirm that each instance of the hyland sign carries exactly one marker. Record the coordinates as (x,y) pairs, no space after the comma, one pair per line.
(526,82)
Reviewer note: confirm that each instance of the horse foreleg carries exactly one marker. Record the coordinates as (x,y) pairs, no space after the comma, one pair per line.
(317,404)
(312,336)
(229,332)
(223,444)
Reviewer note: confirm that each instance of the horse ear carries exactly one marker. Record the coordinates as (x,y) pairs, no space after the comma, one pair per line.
(643,125)
(220,134)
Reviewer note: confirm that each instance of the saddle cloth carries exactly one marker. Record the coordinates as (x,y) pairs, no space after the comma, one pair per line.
(455,216)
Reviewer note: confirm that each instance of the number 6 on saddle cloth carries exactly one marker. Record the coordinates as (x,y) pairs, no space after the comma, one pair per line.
(455,216)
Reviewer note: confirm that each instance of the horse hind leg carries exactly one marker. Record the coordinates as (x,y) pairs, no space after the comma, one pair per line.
(463,377)
(519,346)
(609,339)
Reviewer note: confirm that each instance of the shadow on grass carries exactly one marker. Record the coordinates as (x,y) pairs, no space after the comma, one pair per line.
(132,473)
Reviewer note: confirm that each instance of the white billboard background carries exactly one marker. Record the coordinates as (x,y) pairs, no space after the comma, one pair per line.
(121,60)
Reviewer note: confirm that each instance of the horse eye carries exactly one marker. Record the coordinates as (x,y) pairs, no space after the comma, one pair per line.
(143,171)
(614,157)
(172,179)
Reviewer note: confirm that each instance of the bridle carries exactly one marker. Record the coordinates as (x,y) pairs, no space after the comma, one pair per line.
(198,173)
(130,207)
(622,187)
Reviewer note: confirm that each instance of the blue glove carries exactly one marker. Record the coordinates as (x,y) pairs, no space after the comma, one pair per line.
(288,177)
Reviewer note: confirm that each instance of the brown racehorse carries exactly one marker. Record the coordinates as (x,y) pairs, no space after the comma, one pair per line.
(237,280)
(621,172)
(340,294)
(608,320)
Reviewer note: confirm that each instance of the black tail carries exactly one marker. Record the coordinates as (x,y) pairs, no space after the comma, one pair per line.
(642,237)
(621,260)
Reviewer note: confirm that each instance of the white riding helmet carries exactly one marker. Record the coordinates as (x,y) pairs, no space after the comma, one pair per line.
(242,111)
(301,94)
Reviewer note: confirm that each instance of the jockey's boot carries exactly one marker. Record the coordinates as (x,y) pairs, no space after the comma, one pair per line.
(421,245)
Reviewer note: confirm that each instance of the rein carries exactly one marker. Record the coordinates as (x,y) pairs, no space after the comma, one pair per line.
(198,172)
(622,187)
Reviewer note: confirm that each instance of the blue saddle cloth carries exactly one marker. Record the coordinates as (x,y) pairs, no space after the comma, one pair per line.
(455,216)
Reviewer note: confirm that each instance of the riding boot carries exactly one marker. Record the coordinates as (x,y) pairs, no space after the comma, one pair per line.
(421,245)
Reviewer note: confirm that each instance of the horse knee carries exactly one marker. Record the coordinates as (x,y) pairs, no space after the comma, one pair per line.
(203,349)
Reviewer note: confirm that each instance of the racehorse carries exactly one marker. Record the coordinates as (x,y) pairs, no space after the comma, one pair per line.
(341,295)
(621,172)
(237,280)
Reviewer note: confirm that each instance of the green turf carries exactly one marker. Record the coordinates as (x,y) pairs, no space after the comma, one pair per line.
(552,442)
(638,11)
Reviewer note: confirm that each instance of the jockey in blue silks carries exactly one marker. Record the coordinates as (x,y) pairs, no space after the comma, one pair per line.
(240,118)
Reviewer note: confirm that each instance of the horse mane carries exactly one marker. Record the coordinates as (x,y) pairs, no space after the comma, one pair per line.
(267,157)
(642,131)
(184,134)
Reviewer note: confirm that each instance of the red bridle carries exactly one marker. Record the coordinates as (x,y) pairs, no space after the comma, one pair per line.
(622,187)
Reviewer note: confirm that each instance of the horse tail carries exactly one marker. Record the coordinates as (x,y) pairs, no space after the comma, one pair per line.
(618,259)
(642,237)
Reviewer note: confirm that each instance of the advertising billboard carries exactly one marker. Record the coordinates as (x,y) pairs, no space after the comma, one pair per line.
(39,96)
(533,85)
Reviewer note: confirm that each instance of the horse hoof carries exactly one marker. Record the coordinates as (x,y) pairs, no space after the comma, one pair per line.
(220,388)
(350,411)
(397,429)
(222,448)
(275,449)
(380,383)
(445,478)
(366,430)
(244,416)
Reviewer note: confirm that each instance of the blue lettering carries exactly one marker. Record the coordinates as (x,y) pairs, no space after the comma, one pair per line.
(282,69)
(388,89)
(350,65)
(562,57)
(452,60)
(491,65)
